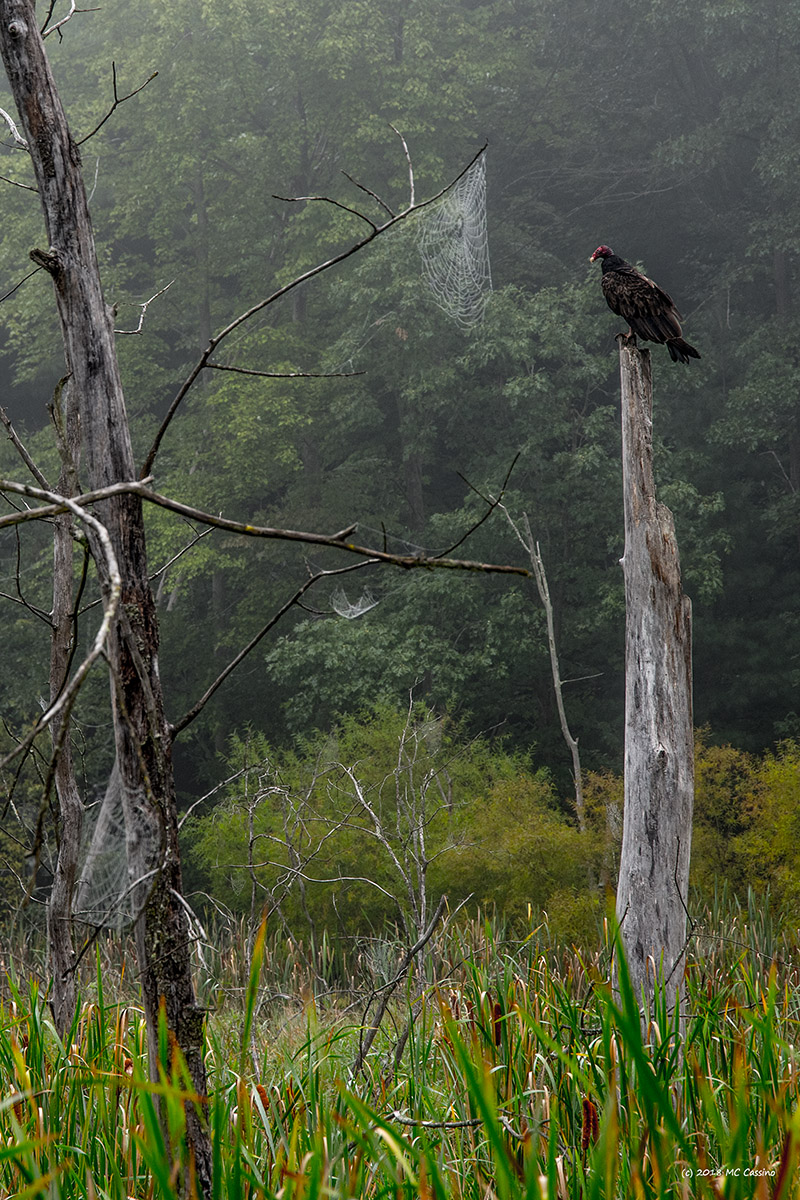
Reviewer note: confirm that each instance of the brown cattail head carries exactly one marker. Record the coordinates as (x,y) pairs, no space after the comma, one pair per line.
(497,1014)
(591,1126)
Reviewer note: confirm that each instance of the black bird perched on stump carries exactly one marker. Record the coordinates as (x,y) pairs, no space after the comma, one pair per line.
(648,309)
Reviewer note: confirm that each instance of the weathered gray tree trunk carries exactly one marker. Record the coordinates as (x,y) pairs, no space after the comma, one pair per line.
(659,752)
(142,734)
(60,945)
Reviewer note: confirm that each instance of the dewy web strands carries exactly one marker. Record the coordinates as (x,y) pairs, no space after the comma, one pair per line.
(352,610)
(454,246)
(121,852)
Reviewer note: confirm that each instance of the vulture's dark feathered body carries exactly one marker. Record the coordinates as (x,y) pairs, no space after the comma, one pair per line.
(648,309)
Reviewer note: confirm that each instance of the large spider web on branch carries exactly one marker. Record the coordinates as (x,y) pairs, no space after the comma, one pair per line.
(118,860)
(454,245)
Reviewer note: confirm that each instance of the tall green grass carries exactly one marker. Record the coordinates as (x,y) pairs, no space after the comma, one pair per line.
(522,1076)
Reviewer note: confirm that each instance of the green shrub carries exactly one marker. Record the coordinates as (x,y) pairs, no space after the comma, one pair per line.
(348,831)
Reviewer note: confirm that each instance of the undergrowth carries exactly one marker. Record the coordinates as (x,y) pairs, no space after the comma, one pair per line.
(504,1069)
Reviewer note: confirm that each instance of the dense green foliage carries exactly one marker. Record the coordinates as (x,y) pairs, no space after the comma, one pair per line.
(668,133)
(523,1077)
(392,810)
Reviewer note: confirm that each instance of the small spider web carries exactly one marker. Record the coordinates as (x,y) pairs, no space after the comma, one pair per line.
(352,610)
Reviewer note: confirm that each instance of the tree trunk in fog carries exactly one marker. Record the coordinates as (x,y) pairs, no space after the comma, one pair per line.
(415,497)
(142,734)
(659,752)
(202,256)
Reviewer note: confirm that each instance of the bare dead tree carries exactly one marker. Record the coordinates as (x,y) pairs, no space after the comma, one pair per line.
(397,814)
(143,741)
(525,537)
(659,752)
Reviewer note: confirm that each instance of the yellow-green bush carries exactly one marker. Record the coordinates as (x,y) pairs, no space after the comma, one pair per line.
(747,822)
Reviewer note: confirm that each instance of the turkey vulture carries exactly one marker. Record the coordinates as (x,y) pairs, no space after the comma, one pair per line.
(646,307)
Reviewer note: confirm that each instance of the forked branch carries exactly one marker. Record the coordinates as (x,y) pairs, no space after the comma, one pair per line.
(198,707)
(117,98)
(374,232)
(65,700)
(525,538)
(47,29)
(143,309)
(334,541)
(18,445)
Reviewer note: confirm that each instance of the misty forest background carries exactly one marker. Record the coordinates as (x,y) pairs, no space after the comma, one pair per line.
(672,135)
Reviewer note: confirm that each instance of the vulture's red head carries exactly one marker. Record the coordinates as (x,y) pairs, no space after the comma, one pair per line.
(602,252)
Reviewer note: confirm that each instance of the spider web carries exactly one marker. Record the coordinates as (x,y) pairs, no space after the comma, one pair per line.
(118,861)
(454,245)
(351,610)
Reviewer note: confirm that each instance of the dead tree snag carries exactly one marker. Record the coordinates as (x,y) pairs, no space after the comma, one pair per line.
(659,753)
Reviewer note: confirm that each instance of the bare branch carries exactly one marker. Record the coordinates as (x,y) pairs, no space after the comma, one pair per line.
(117,100)
(786,478)
(24,279)
(223,783)
(24,604)
(36,612)
(370,192)
(488,500)
(405,963)
(410,166)
(90,197)
(353,248)
(50,9)
(12,125)
(409,561)
(525,538)
(66,699)
(28,188)
(19,447)
(197,708)
(162,569)
(180,553)
(336,541)
(45,32)
(299,873)
(144,306)
(285,374)
(379,834)
(327,200)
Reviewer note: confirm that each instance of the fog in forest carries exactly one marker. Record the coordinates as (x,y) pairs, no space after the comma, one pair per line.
(670,134)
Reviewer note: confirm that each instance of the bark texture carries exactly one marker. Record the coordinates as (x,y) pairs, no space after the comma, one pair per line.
(659,750)
(60,945)
(142,734)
